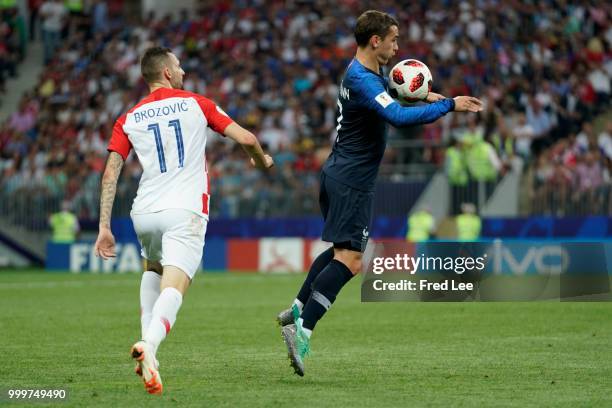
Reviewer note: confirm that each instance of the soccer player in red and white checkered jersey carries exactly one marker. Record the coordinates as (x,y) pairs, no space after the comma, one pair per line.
(168,131)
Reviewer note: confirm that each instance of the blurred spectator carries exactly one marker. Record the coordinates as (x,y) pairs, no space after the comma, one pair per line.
(586,139)
(457,173)
(541,122)
(524,133)
(504,146)
(483,165)
(53,14)
(13,40)
(99,16)
(600,81)
(604,141)
(468,223)
(421,226)
(273,134)
(64,225)
(19,37)
(34,10)
(589,179)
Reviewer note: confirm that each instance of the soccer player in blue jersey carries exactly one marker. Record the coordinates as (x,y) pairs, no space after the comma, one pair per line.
(349,174)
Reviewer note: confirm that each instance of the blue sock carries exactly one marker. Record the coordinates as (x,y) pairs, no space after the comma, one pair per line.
(325,288)
(317,266)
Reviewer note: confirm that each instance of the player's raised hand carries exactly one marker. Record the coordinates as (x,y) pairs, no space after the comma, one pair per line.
(266,164)
(105,244)
(269,161)
(434,97)
(467,104)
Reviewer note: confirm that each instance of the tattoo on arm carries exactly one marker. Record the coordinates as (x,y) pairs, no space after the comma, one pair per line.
(109,187)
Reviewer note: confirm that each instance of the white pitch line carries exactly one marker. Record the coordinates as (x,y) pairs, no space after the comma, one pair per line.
(200,279)
(58,284)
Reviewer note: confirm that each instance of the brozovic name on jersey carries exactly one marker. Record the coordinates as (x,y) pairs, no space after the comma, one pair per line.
(161,111)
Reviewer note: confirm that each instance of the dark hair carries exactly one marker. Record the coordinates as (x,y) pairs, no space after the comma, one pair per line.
(371,23)
(152,63)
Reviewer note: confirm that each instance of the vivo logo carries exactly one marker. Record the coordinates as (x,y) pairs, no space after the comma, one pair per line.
(548,259)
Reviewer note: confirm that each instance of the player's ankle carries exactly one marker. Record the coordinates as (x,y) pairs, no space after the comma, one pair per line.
(307,332)
(299,304)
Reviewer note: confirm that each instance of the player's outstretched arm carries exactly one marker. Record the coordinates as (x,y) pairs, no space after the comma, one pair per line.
(105,244)
(399,116)
(375,97)
(250,144)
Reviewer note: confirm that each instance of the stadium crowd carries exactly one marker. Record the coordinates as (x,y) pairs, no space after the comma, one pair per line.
(573,176)
(543,70)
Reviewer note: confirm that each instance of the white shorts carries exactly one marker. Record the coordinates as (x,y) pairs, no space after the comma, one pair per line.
(172,237)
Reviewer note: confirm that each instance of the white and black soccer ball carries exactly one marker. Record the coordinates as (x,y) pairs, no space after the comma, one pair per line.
(410,81)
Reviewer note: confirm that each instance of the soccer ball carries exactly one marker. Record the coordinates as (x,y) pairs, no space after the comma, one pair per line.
(410,81)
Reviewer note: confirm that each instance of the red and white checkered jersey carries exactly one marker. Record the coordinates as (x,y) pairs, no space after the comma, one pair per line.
(168,131)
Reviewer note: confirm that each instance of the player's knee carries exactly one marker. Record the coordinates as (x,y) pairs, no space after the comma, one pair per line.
(351,259)
(355,266)
(175,277)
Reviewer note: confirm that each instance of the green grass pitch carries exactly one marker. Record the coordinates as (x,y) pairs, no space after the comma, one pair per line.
(74,332)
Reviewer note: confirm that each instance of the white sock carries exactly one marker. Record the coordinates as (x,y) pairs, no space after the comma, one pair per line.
(306,331)
(299,304)
(164,316)
(149,292)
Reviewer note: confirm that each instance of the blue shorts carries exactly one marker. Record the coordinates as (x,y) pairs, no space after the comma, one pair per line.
(347,213)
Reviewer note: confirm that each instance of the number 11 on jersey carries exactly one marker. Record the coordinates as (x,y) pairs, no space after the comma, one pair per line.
(176,124)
